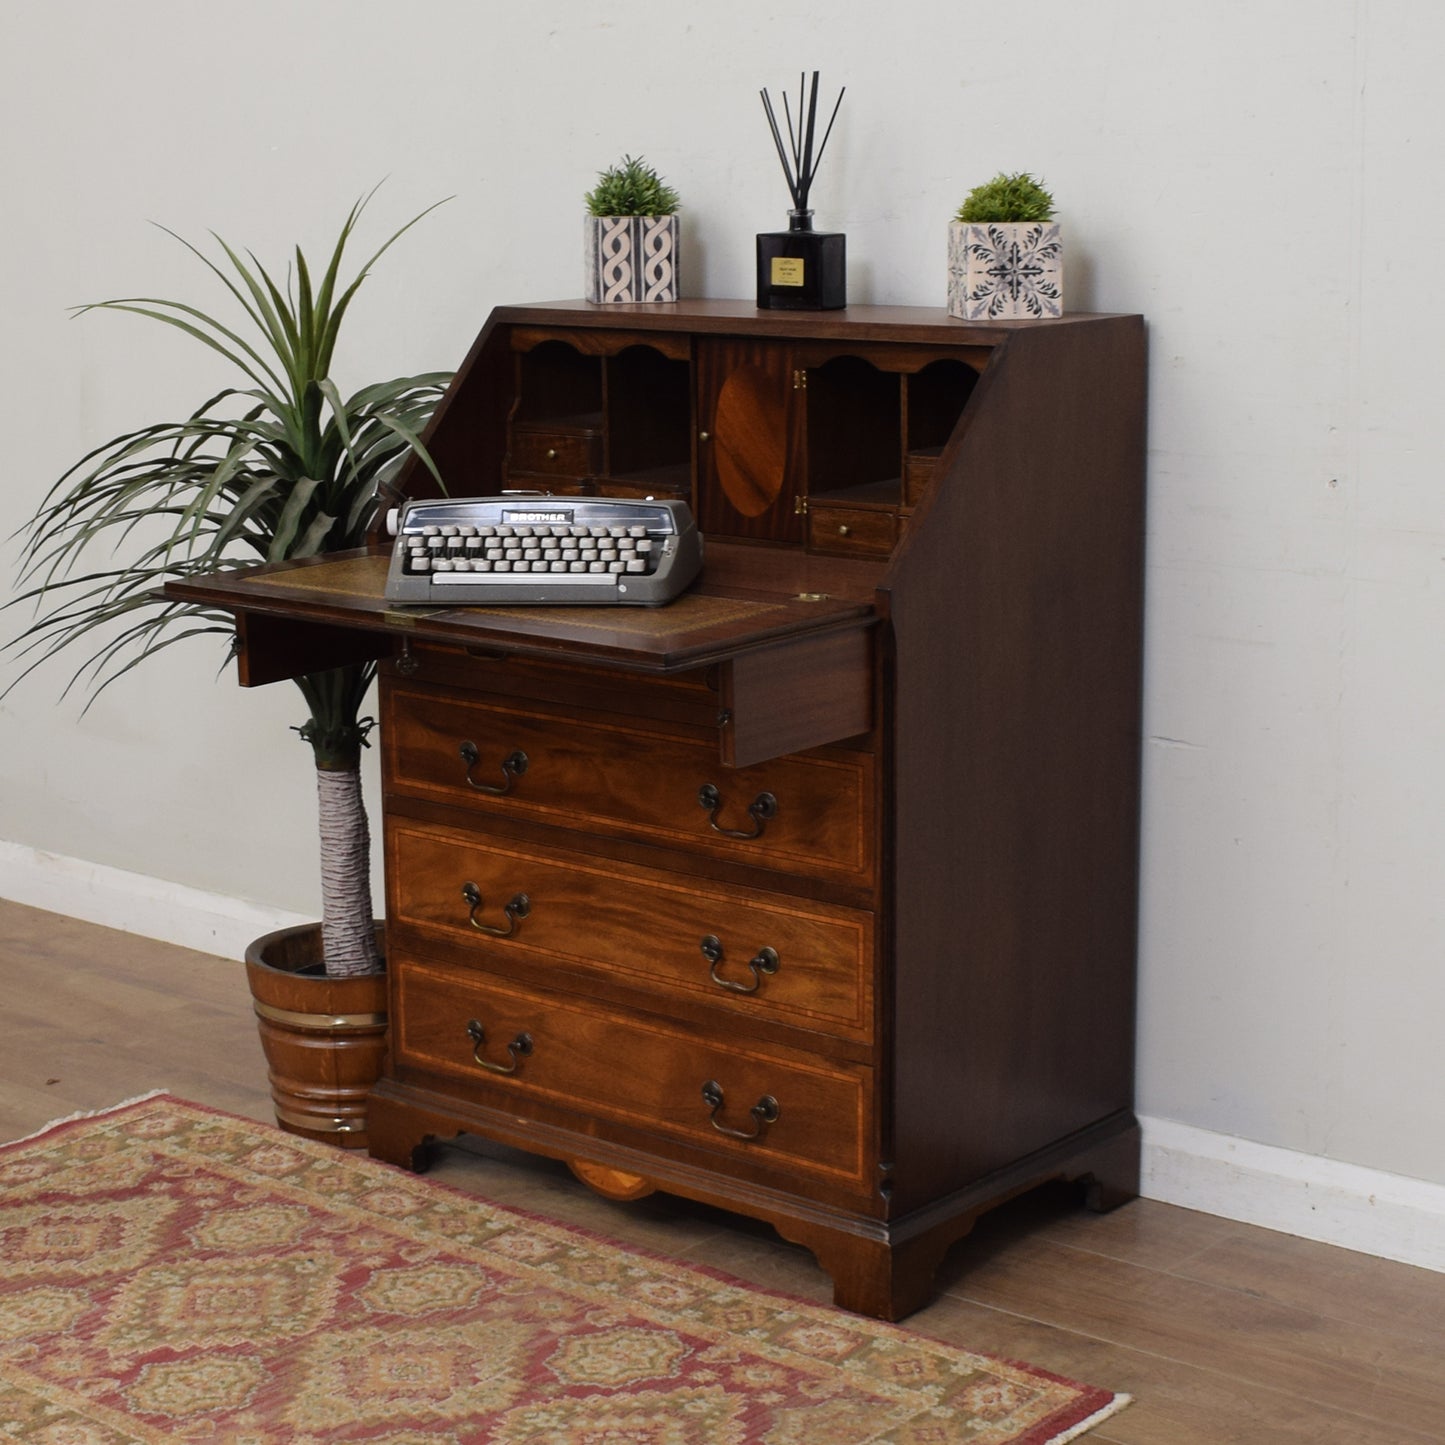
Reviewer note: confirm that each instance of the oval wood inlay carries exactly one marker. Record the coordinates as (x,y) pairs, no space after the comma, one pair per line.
(610,1183)
(750,440)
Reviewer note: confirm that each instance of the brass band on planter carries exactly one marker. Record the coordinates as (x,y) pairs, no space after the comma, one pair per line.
(320,1022)
(321,1125)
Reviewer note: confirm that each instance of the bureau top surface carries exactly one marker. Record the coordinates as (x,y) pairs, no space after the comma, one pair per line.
(924,323)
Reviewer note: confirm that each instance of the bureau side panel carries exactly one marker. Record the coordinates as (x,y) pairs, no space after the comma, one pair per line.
(1016,630)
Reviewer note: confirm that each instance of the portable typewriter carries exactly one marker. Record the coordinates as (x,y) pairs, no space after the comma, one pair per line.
(484,551)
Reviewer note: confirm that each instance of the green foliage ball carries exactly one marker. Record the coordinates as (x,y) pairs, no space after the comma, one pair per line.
(1007,198)
(632,188)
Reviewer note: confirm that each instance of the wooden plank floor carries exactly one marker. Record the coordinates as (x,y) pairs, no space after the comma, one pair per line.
(1223,1333)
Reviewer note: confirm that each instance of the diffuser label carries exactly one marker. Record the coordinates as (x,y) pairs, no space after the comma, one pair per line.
(787,271)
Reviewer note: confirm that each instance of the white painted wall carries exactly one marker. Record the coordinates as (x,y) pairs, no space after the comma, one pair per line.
(1237,171)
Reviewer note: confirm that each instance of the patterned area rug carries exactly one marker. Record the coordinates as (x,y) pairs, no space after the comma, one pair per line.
(171,1273)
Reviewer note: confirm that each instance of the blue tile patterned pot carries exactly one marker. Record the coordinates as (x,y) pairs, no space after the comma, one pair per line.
(1005,270)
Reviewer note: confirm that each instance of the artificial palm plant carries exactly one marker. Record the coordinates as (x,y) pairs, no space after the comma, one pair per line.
(280,467)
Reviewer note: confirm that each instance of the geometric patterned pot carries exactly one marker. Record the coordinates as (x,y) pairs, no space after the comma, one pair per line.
(631,258)
(324,1038)
(1001,270)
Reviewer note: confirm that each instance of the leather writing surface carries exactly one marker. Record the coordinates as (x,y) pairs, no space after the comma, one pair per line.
(709,623)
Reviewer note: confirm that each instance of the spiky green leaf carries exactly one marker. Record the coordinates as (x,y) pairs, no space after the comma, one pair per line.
(282,466)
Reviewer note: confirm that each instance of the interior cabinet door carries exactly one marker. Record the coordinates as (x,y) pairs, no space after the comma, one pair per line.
(749,449)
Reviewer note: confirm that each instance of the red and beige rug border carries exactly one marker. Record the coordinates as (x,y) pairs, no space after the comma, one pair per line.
(1093,1406)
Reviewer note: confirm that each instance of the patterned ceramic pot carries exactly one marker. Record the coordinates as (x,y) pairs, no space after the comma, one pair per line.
(631,258)
(324,1038)
(1002,270)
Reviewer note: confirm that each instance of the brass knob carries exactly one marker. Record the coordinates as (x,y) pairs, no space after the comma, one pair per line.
(551,454)
(702,436)
(843,531)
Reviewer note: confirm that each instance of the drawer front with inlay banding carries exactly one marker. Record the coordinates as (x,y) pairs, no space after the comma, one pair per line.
(516,1047)
(545,914)
(805,814)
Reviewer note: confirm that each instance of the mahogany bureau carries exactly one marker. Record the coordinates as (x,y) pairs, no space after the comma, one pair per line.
(812,894)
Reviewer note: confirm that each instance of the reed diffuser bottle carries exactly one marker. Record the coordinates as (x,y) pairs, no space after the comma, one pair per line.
(801,269)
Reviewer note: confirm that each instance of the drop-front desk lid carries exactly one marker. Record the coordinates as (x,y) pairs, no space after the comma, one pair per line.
(792,634)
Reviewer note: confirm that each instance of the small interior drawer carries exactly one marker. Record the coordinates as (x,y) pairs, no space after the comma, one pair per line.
(555,451)
(851,531)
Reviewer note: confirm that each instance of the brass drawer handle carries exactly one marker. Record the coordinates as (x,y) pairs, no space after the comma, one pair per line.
(513,766)
(763,808)
(518,907)
(764,1112)
(517,1050)
(764,961)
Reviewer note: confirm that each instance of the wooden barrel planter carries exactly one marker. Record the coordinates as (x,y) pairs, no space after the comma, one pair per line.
(324,1038)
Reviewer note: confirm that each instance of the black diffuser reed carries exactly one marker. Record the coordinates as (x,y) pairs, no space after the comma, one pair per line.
(801,269)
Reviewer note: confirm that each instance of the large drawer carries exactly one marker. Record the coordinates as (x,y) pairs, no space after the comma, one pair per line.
(759,955)
(808,814)
(511,1046)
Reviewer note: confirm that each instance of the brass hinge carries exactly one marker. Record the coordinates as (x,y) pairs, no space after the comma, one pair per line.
(800,507)
(800,381)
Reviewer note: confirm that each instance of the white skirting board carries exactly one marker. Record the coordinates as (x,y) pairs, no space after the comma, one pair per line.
(1357,1208)
(1376,1213)
(134,903)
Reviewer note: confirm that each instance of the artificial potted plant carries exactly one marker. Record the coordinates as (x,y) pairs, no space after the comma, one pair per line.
(630,235)
(1005,252)
(278,467)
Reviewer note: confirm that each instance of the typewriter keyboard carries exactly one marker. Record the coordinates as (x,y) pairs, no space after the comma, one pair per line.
(573,551)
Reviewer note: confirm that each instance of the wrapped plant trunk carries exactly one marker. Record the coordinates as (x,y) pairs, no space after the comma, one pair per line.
(347,930)
(337,735)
